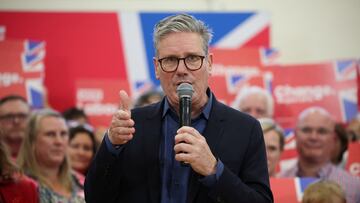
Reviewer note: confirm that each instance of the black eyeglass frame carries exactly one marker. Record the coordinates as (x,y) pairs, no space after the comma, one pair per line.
(178,62)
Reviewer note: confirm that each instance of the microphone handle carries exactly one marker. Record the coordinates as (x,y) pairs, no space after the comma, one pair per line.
(185,116)
(185,111)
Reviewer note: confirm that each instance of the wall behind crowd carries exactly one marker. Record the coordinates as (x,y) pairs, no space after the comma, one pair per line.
(304,31)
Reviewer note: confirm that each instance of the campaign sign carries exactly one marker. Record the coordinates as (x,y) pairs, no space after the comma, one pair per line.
(99,99)
(353,162)
(331,85)
(289,190)
(118,45)
(22,70)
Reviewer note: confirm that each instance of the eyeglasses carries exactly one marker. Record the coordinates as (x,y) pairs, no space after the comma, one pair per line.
(171,63)
(8,118)
(319,131)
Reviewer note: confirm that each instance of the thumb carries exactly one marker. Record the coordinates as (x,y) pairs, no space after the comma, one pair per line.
(125,101)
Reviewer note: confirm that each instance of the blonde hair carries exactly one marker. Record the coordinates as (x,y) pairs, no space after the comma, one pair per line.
(27,160)
(324,191)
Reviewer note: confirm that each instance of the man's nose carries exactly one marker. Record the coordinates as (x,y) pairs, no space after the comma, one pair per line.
(182,67)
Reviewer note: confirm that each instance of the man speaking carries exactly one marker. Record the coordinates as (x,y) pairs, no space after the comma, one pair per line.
(145,157)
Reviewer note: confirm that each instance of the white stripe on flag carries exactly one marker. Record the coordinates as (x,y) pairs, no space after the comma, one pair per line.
(244,31)
(134,51)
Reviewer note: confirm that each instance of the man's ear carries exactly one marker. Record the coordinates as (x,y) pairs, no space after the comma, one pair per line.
(210,63)
(157,68)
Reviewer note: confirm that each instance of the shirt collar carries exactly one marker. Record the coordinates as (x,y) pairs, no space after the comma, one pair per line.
(205,112)
(322,173)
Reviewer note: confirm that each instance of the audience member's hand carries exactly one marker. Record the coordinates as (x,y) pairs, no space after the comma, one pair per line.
(191,147)
(122,126)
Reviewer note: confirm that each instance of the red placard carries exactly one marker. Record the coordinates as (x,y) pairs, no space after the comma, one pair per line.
(353,162)
(99,99)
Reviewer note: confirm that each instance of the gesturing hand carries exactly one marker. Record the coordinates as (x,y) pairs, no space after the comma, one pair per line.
(122,126)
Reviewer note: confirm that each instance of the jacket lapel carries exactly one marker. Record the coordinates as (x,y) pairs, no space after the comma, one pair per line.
(151,151)
(212,133)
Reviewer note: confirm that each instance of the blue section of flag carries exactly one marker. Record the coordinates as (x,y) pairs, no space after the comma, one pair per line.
(36,98)
(344,65)
(220,23)
(31,58)
(288,132)
(350,109)
(236,79)
(33,44)
(270,51)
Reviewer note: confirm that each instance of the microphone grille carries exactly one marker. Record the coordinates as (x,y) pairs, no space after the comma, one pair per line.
(185,90)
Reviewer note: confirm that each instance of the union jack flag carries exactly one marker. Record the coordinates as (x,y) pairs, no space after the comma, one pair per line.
(289,155)
(232,30)
(345,69)
(269,56)
(142,87)
(26,63)
(236,81)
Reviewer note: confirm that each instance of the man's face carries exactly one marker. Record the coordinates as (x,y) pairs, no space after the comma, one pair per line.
(255,105)
(315,138)
(182,45)
(13,116)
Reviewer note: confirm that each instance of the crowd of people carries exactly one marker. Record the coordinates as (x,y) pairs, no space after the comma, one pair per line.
(45,155)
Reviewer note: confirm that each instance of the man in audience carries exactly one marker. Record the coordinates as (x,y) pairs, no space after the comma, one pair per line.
(14,112)
(315,136)
(255,101)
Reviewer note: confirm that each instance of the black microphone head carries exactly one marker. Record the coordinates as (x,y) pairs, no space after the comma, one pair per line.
(185,90)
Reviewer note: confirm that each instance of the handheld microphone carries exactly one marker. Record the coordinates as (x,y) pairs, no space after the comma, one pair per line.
(184,91)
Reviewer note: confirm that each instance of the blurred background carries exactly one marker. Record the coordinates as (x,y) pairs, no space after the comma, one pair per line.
(76,53)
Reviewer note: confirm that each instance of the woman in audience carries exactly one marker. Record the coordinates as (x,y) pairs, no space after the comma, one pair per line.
(274,143)
(43,157)
(14,186)
(82,148)
(324,191)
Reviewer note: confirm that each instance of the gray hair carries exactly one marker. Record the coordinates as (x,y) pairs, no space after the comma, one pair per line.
(255,90)
(181,23)
(314,109)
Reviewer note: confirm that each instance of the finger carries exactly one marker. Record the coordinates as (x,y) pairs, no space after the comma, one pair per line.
(122,115)
(125,101)
(189,130)
(183,157)
(129,123)
(121,139)
(117,131)
(182,147)
(184,137)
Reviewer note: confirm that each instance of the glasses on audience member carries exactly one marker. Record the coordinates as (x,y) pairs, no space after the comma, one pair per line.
(319,131)
(8,118)
(171,63)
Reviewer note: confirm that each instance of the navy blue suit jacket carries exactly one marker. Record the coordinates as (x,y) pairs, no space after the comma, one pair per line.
(134,175)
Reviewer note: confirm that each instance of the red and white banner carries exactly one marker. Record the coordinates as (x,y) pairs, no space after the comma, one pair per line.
(22,70)
(99,99)
(353,162)
(289,190)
